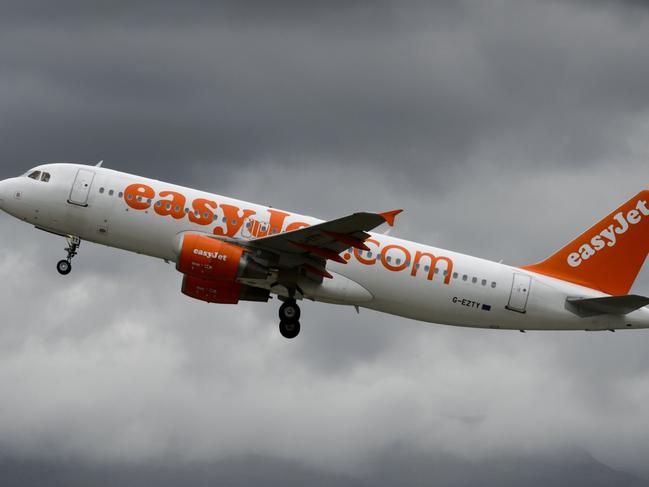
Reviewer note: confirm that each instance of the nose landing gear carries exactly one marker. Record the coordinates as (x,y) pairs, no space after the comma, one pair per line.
(65,266)
(289,315)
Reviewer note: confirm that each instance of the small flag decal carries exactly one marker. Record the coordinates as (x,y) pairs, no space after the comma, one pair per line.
(486,307)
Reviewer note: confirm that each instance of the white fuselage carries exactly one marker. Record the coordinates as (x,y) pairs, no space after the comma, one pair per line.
(394,277)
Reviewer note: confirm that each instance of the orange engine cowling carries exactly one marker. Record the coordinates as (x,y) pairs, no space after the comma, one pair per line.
(211,259)
(212,267)
(222,292)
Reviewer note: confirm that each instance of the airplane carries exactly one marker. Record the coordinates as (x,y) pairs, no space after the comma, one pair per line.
(230,251)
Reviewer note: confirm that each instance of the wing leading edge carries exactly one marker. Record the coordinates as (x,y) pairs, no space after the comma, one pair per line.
(328,239)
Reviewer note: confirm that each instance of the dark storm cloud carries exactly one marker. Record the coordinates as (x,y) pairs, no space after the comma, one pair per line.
(504,128)
(623,6)
(215,88)
(224,89)
(395,466)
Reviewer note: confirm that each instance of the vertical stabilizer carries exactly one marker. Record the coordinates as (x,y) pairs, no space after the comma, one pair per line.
(607,256)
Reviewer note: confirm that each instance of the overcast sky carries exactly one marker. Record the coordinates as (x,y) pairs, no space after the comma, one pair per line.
(502,127)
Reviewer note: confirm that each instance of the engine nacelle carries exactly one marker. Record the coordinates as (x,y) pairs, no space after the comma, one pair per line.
(222,292)
(211,259)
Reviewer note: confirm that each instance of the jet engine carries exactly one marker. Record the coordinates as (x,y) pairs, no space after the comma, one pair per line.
(212,268)
(210,259)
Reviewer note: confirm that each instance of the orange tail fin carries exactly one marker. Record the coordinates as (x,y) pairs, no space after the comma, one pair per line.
(607,256)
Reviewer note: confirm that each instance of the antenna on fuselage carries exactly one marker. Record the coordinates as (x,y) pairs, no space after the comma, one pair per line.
(99,164)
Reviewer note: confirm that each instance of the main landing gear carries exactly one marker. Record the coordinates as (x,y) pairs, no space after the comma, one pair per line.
(65,266)
(289,315)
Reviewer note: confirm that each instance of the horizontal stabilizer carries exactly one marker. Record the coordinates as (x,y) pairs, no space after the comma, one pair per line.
(608,305)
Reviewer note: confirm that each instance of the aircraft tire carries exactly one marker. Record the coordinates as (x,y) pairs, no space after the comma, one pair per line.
(64,267)
(289,311)
(289,329)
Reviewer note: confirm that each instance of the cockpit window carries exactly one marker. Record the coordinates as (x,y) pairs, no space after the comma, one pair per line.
(35,175)
(45,177)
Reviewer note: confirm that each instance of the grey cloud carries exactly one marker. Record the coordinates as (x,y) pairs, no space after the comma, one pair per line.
(426,90)
(503,128)
(394,466)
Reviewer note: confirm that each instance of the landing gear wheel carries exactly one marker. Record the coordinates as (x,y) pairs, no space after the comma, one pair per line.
(289,329)
(64,267)
(289,311)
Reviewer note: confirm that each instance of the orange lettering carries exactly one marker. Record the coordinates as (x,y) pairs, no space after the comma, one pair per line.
(232,220)
(433,264)
(137,196)
(363,260)
(255,227)
(204,209)
(174,207)
(262,229)
(399,267)
(296,226)
(276,222)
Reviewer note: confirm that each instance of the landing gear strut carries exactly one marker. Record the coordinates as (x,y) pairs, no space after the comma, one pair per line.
(289,315)
(65,266)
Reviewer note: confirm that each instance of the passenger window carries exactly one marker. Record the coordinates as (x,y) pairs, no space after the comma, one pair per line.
(455,275)
(121,194)
(111,193)
(474,280)
(45,177)
(398,261)
(493,284)
(484,282)
(436,270)
(426,268)
(35,175)
(101,190)
(465,277)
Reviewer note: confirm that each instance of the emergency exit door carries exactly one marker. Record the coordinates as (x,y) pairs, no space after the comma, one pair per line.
(520,293)
(81,187)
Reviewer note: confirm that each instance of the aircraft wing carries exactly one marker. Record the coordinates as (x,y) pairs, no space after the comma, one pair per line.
(325,241)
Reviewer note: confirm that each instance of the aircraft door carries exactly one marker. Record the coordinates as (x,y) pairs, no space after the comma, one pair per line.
(81,187)
(520,293)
